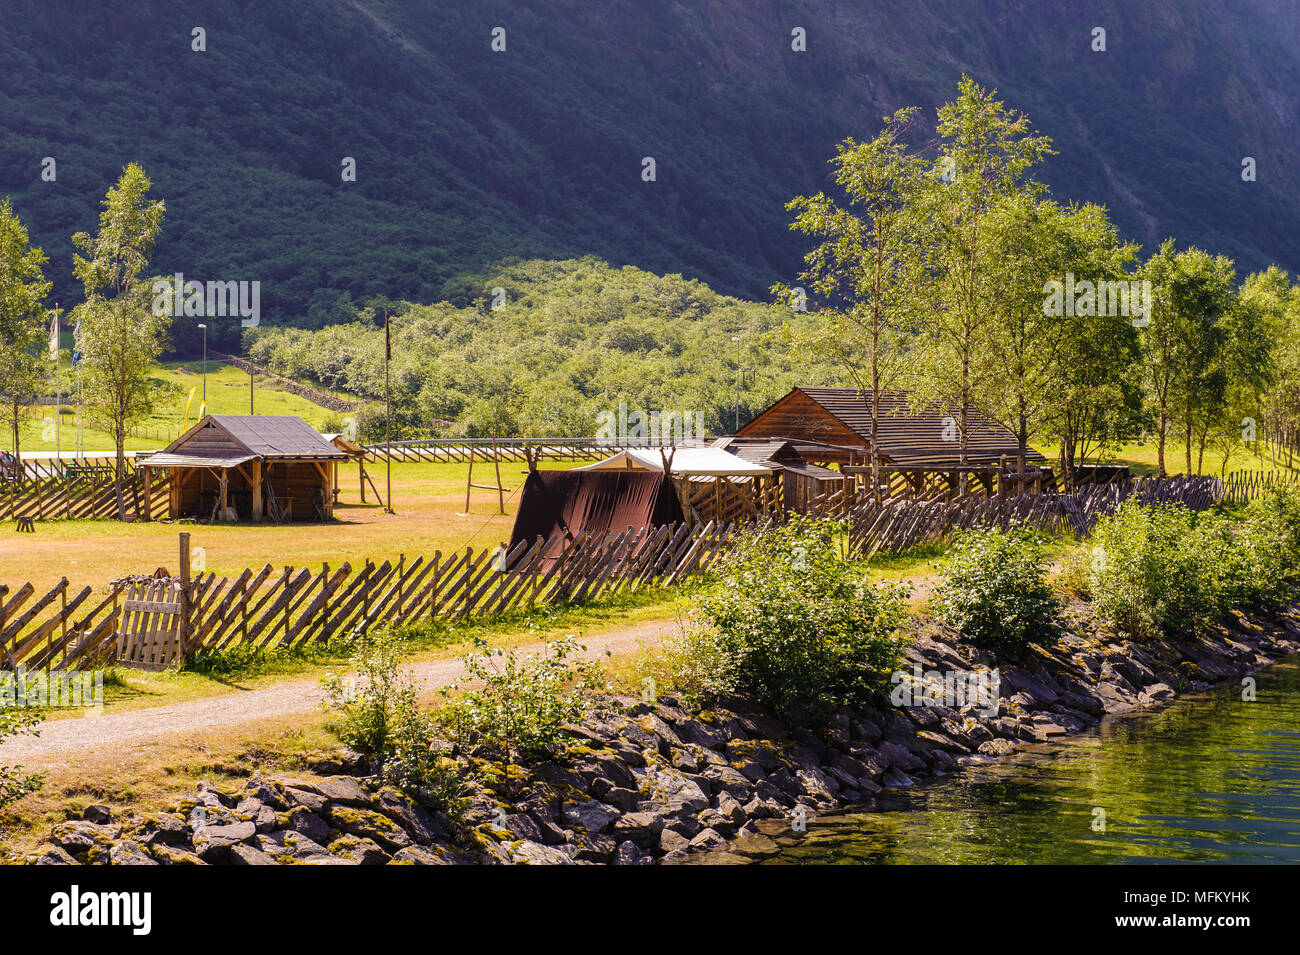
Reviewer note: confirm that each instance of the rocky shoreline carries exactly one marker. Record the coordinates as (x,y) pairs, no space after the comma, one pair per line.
(649,782)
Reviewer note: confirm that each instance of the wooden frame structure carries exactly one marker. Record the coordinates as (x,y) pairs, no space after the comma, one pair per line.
(249,467)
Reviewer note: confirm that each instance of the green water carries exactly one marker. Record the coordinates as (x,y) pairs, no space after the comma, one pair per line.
(1209,778)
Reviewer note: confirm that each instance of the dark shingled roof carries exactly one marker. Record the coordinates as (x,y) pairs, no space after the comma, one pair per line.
(277,436)
(908,438)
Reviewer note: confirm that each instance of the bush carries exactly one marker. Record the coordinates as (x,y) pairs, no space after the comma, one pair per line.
(1269,541)
(518,703)
(14,783)
(995,591)
(380,717)
(1156,569)
(795,626)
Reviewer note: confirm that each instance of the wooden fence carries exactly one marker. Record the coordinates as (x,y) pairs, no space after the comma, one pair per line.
(81,496)
(503,449)
(1242,487)
(897,525)
(135,623)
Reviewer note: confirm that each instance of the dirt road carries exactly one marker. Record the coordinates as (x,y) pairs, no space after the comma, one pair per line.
(61,741)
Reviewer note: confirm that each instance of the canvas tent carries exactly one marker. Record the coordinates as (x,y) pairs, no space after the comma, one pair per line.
(567,503)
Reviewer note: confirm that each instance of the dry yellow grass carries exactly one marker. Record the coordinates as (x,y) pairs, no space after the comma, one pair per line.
(427,499)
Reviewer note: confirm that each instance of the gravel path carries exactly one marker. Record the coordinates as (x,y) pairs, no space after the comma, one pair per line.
(64,739)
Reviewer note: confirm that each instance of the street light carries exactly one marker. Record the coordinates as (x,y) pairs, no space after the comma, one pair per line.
(205,366)
(736,339)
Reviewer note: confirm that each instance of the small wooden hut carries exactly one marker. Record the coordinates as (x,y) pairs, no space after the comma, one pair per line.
(250,467)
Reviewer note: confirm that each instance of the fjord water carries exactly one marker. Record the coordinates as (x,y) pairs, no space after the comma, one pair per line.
(1208,778)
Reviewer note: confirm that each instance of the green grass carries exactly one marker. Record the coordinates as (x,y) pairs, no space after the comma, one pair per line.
(227,391)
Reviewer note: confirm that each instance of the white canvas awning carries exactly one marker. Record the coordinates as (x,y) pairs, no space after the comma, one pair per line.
(687,462)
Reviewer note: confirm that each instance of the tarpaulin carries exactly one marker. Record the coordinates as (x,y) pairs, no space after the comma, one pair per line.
(601,502)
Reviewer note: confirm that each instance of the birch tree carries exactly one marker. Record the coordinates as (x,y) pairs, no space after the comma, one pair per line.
(23,320)
(121,335)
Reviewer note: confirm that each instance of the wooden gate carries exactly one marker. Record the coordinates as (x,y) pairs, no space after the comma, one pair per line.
(152,632)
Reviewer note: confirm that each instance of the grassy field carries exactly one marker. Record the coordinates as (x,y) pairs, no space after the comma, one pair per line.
(1141,457)
(227,394)
(427,499)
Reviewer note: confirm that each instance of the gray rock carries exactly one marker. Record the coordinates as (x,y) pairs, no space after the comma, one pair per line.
(592,815)
(643,828)
(129,852)
(210,839)
(900,758)
(343,789)
(50,854)
(246,855)
(419,855)
(101,815)
(707,839)
(360,851)
(629,853)
(534,853)
(312,801)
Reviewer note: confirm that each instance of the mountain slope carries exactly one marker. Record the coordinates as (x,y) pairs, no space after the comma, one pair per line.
(465,156)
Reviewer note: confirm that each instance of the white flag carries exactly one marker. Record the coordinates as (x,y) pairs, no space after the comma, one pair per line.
(54,337)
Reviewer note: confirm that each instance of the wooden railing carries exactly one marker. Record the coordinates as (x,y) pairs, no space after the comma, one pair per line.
(71,628)
(81,494)
(897,525)
(500,449)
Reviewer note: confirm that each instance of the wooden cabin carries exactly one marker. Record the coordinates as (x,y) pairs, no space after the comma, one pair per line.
(920,454)
(250,468)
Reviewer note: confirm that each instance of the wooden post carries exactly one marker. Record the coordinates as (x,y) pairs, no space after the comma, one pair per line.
(183,630)
(361,477)
(148,493)
(258,506)
(496,459)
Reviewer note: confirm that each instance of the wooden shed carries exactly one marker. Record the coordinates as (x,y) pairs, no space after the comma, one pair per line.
(250,467)
(920,451)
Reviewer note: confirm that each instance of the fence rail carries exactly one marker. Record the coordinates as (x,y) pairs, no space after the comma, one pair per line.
(82,495)
(897,525)
(503,449)
(264,608)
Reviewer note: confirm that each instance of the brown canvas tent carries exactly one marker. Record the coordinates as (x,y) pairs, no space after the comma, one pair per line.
(599,502)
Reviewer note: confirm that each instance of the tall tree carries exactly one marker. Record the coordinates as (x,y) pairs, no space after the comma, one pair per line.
(985,154)
(1191,293)
(121,335)
(1040,339)
(863,269)
(23,318)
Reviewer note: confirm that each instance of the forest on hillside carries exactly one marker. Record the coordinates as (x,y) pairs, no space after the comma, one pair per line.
(467,158)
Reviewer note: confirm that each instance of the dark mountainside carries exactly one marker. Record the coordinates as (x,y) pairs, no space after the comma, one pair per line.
(465,156)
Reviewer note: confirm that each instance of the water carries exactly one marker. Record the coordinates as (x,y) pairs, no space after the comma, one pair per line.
(1209,778)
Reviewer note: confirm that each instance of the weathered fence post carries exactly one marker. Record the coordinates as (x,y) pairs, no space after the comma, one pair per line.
(183,628)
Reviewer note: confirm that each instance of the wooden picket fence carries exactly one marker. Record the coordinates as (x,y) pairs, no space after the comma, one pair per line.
(135,622)
(1242,487)
(81,496)
(898,525)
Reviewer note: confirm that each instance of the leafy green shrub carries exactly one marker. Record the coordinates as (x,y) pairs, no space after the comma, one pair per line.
(14,783)
(380,717)
(1155,569)
(692,663)
(994,590)
(516,703)
(796,626)
(1269,541)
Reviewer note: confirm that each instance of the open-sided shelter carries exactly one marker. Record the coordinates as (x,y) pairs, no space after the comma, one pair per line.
(711,483)
(250,467)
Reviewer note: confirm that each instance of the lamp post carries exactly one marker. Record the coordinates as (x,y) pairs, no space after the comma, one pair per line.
(205,366)
(736,339)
